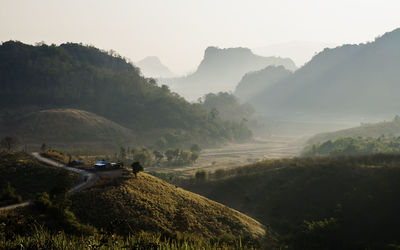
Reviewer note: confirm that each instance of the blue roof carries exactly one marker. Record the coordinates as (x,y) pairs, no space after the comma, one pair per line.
(101,163)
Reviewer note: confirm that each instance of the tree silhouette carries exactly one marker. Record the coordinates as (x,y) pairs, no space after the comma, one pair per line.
(9,142)
(43,147)
(136,168)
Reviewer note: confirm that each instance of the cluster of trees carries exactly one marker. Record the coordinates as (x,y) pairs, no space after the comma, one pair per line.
(83,77)
(170,156)
(355,146)
(341,202)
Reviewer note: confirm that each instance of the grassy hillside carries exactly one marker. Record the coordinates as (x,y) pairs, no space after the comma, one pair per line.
(43,239)
(391,128)
(149,204)
(317,203)
(81,77)
(29,177)
(63,126)
(128,212)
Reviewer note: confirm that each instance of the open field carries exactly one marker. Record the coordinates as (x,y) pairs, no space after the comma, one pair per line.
(233,155)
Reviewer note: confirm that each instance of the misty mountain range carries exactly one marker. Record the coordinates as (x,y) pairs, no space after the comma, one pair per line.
(221,70)
(347,81)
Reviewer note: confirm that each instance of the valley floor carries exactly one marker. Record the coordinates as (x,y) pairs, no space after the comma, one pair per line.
(234,155)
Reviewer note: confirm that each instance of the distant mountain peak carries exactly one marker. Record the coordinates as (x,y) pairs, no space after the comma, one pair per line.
(212,51)
(152,59)
(221,69)
(151,66)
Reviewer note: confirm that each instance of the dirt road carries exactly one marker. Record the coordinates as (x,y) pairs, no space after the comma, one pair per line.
(90,177)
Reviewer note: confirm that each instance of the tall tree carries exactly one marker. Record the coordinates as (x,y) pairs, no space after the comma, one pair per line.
(9,142)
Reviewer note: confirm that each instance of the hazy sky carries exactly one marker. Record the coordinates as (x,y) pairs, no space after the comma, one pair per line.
(178,31)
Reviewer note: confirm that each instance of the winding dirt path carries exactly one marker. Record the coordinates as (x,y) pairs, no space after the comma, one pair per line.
(91,179)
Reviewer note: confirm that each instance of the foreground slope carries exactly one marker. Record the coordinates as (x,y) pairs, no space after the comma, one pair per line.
(348,81)
(149,204)
(222,69)
(317,203)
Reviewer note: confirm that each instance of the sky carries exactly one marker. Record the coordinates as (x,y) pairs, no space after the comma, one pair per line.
(178,31)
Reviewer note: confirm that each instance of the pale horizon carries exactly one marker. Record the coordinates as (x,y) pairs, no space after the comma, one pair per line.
(179,31)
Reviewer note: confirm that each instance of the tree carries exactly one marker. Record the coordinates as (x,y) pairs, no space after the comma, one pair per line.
(158,155)
(195,148)
(201,175)
(43,147)
(213,114)
(177,152)
(9,142)
(194,157)
(136,168)
(144,157)
(122,153)
(169,154)
(185,157)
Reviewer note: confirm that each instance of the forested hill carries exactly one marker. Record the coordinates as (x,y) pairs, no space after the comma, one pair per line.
(84,77)
(386,128)
(221,69)
(255,82)
(350,80)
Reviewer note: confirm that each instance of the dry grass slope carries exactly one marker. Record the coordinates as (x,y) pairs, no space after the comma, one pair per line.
(70,126)
(150,204)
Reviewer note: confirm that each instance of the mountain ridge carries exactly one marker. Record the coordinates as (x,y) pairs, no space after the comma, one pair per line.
(221,69)
(347,80)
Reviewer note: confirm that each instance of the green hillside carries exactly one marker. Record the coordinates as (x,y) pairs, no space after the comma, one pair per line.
(317,203)
(354,146)
(81,77)
(390,128)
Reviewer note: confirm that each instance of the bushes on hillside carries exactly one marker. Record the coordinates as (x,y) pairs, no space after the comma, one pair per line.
(355,146)
(8,196)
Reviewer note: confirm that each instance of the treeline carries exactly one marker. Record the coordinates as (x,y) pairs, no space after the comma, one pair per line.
(355,146)
(84,77)
(148,158)
(343,202)
(387,128)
